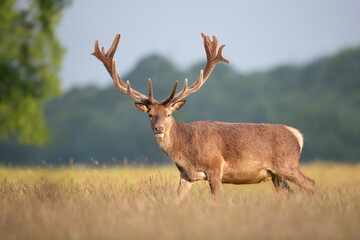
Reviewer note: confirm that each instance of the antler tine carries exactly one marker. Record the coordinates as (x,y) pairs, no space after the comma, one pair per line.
(206,45)
(181,94)
(133,95)
(213,56)
(110,65)
(110,53)
(151,97)
(172,95)
(126,90)
(219,54)
(196,85)
(96,52)
(214,45)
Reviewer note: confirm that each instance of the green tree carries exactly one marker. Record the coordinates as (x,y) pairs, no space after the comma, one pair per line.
(30,60)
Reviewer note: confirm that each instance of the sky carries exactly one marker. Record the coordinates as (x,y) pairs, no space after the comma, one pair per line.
(259,34)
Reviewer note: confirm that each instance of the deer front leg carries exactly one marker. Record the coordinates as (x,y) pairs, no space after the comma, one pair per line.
(215,185)
(184,187)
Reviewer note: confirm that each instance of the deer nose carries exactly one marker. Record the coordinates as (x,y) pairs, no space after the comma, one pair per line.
(159,128)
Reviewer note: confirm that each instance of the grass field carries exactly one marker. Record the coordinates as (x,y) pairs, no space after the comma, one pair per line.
(138,203)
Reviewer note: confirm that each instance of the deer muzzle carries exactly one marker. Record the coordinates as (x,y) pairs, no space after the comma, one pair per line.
(159,131)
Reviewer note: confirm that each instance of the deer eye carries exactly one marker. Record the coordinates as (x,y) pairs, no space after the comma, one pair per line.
(150,115)
(168,115)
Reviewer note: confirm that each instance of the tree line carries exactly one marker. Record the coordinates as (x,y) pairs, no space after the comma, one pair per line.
(91,125)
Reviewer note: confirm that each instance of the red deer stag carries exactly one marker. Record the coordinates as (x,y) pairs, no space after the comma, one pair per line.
(237,153)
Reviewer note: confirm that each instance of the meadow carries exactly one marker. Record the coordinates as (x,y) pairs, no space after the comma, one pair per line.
(138,203)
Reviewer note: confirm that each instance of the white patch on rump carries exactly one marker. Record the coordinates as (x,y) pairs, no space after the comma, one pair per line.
(298,136)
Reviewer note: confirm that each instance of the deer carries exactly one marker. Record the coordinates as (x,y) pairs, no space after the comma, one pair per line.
(219,152)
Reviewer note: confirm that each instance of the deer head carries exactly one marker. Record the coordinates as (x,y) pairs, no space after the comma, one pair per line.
(160,113)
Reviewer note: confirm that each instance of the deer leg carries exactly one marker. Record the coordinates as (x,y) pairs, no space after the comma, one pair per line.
(279,182)
(303,181)
(184,187)
(215,185)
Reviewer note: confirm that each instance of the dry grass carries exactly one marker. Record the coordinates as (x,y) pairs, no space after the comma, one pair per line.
(137,203)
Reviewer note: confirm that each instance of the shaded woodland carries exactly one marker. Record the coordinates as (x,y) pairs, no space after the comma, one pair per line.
(92,125)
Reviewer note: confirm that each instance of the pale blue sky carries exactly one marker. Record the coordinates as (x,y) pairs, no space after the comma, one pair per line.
(259,34)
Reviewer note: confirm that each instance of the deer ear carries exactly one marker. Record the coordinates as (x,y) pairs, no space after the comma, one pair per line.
(176,106)
(141,106)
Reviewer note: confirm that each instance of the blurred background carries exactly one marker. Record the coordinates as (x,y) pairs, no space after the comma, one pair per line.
(292,62)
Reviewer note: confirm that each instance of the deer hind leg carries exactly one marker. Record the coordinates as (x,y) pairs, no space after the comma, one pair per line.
(279,183)
(215,184)
(304,182)
(214,177)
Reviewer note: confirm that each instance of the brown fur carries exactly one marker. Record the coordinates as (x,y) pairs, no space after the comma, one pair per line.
(237,153)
